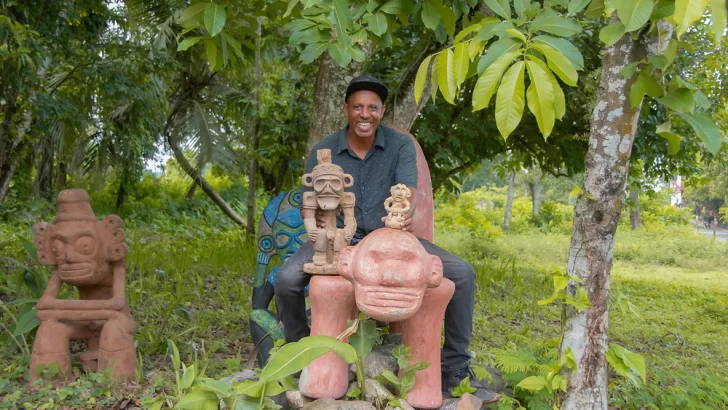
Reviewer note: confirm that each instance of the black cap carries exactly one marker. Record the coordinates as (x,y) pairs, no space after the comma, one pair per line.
(368,83)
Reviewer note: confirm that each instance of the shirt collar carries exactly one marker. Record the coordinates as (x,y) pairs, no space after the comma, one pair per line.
(380,139)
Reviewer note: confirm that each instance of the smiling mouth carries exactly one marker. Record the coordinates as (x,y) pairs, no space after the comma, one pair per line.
(75,270)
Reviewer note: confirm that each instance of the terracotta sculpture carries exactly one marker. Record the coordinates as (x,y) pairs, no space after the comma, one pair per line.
(328,181)
(90,255)
(390,277)
(397,206)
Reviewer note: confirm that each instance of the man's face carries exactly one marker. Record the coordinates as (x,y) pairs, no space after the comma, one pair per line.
(363,110)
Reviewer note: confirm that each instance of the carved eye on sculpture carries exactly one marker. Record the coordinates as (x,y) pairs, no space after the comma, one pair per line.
(58,248)
(85,245)
(265,243)
(334,184)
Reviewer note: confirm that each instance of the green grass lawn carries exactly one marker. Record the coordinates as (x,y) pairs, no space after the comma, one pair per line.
(191,282)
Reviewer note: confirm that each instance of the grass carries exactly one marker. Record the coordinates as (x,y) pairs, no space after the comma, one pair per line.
(190,279)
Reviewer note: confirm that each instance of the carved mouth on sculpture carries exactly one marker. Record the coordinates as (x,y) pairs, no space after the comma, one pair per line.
(76,272)
(388,304)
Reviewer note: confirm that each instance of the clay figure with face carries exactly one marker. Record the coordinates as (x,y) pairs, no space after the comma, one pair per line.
(329,188)
(390,271)
(400,193)
(75,246)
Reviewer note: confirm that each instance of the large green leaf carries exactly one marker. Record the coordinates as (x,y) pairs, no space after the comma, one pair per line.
(187,43)
(448,20)
(510,99)
(313,51)
(532,383)
(564,46)
(421,78)
(27,322)
(431,14)
(497,49)
(340,52)
(540,95)
(446,75)
(550,22)
(211,51)
(488,82)
(680,100)
(342,14)
(637,91)
(214,18)
(500,7)
(595,9)
(398,7)
(688,12)
(634,13)
(365,337)
(558,63)
(706,129)
(576,6)
(559,100)
(376,23)
(293,357)
(489,27)
(718,14)
(521,5)
(192,15)
(673,140)
(612,33)
(461,63)
(199,400)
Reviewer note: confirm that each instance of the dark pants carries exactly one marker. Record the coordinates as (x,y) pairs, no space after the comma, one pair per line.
(291,306)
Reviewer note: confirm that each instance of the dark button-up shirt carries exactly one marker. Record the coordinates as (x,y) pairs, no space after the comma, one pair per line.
(390,161)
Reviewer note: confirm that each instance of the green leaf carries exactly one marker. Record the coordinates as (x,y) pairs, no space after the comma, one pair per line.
(291,5)
(192,15)
(510,99)
(629,70)
(376,23)
(448,20)
(564,46)
(718,17)
(407,382)
(365,337)
(609,7)
(612,33)
(560,282)
(430,14)
(550,22)
(339,51)
(701,100)
(488,82)
(540,96)
(388,377)
(496,50)
(27,322)
(313,51)
(187,377)
(214,18)
(421,78)
(489,27)
(516,33)
(688,12)
(673,140)
(357,54)
(464,32)
(706,129)
(446,76)
(576,6)
(251,388)
(398,7)
(670,52)
(402,353)
(680,100)
(634,13)
(577,191)
(211,50)
(637,91)
(353,392)
(558,63)
(559,100)
(583,298)
(663,9)
(463,387)
(293,357)
(554,295)
(199,400)
(500,7)
(520,6)
(532,383)
(216,386)
(461,63)
(595,9)
(636,363)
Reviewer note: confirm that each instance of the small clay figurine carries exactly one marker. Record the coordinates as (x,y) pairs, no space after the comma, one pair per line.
(90,255)
(397,206)
(328,181)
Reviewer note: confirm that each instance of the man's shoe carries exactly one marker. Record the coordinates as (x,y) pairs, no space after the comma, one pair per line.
(451,379)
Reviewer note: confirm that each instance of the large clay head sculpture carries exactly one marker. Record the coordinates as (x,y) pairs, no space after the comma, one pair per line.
(80,245)
(390,271)
(328,181)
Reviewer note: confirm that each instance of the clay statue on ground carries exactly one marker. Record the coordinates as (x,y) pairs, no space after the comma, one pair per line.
(390,277)
(397,206)
(90,255)
(328,181)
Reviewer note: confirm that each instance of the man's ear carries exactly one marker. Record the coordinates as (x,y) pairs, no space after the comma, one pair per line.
(346,111)
(435,272)
(384,109)
(346,256)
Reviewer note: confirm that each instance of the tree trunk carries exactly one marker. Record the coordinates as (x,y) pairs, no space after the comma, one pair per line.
(328,100)
(535,186)
(192,190)
(402,110)
(121,193)
(44,177)
(635,216)
(509,201)
(613,125)
(61,178)
(252,175)
(6,174)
